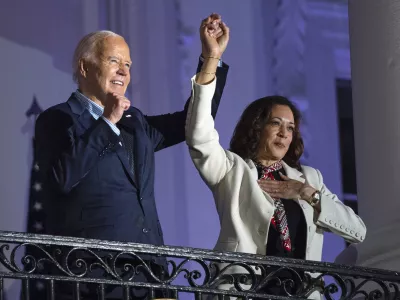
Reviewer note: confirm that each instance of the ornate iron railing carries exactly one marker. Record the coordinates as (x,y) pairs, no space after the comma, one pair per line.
(77,262)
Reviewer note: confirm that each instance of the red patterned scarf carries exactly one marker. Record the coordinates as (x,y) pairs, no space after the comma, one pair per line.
(279,219)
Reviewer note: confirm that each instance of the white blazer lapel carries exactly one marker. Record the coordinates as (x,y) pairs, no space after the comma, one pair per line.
(295,174)
(308,211)
(292,173)
(253,168)
(254,174)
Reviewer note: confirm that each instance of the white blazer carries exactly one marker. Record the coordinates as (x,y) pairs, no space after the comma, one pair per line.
(244,209)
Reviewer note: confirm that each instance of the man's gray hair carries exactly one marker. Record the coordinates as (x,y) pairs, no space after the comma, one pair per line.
(87,48)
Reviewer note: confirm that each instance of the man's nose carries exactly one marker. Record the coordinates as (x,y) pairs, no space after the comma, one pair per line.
(123,70)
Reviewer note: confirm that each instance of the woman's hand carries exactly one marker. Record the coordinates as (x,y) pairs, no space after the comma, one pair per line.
(214,36)
(287,189)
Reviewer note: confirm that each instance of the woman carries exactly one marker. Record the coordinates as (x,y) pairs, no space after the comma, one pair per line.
(267,202)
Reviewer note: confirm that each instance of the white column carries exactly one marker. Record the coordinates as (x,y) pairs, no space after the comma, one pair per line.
(375,62)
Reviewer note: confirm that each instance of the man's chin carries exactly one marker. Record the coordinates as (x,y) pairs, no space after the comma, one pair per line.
(118,90)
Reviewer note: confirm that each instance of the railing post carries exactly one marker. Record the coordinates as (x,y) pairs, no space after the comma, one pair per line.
(51,291)
(101,291)
(25,289)
(1,288)
(152,293)
(77,294)
(127,292)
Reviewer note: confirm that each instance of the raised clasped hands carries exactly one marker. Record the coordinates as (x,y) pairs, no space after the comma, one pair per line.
(214,36)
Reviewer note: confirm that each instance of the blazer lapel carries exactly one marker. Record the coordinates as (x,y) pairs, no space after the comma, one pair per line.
(292,173)
(128,121)
(84,117)
(86,120)
(308,211)
(254,174)
(295,174)
(253,168)
(123,157)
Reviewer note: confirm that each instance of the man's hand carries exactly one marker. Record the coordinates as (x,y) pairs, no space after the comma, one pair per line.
(115,107)
(214,36)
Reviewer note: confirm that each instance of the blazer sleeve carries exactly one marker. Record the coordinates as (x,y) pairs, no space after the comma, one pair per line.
(169,129)
(210,159)
(64,159)
(337,217)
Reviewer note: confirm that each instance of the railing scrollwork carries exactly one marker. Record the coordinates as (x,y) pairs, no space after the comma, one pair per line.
(197,271)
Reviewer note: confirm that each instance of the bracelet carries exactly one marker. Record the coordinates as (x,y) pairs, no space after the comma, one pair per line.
(213,57)
(207,72)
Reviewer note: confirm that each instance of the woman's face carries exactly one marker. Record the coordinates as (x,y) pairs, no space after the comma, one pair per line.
(278,134)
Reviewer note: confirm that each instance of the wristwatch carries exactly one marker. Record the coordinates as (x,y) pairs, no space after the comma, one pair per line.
(315,198)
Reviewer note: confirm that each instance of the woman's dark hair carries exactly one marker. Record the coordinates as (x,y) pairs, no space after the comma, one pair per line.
(246,137)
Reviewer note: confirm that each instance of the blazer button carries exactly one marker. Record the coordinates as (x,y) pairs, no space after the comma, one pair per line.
(352,232)
(341,226)
(357,234)
(145,230)
(347,230)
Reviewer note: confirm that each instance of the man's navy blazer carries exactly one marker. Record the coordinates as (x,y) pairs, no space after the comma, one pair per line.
(89,188)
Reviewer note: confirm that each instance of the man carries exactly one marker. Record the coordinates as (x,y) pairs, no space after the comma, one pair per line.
(96,152)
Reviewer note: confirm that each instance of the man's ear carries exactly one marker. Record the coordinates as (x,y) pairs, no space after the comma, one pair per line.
(83,68)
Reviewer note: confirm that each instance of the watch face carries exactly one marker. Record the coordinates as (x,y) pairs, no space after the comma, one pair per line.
(316,198)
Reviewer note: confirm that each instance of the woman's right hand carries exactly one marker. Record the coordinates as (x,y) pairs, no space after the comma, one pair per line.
(214,36)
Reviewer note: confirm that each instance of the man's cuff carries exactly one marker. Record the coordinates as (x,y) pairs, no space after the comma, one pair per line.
(219,61)
(112,125)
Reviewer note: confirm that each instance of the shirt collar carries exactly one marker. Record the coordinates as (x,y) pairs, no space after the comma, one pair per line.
(95,110)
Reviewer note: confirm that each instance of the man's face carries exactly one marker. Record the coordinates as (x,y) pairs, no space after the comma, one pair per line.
(109,72)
